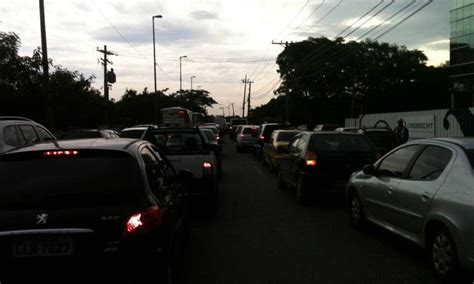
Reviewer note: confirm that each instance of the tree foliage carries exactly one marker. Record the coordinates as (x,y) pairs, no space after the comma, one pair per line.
(328,80)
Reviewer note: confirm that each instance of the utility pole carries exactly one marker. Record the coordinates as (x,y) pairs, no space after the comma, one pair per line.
(233,112)
(44,55)
(287,111)
(248,98)
(106,83)
(245,91)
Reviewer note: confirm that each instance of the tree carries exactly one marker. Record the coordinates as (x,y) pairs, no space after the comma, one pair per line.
(195,100)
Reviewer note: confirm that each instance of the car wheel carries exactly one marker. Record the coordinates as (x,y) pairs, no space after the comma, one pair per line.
(301,192)
(443,255)
(356,211)
(281,182)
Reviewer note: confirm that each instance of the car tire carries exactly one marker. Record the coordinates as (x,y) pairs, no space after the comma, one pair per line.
(301,192)
(281,183)
(356,211)
(443,254)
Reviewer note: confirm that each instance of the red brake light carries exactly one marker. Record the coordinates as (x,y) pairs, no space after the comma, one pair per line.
(207,165)
(61,153)
(310,159)
(143,221)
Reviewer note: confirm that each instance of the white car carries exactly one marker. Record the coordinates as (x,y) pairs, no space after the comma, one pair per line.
(186,149)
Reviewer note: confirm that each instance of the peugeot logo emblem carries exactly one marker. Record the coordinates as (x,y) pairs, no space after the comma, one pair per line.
(41,218)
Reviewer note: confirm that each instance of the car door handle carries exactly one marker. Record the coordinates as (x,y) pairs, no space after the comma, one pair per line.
(390,190)
(425,196)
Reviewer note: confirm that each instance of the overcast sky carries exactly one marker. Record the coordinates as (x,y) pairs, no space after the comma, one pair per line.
(224,40)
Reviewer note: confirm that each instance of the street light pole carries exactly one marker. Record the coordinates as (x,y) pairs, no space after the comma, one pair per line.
(155,98)
(192,82)
(180,72)
(223,111)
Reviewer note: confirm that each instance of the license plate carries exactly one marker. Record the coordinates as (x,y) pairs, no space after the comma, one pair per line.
(42,246)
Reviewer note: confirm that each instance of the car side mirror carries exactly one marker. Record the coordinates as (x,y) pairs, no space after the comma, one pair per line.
(369,170)
(185,176)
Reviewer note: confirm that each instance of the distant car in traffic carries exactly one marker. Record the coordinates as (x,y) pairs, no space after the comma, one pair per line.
(246,137)
(264,133)
(136,132)
(326,127)
(423,191)
(186,149)
(215,129)
(210,138)
(92,199)
(19,132)
(90,133)
(274,149)
(322,162)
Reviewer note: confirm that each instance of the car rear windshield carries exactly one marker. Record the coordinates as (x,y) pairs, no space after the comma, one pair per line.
(134,134)
(249,130)
(270,128)
(470,155)
(64,181)
(286,136)
(382,138)
(340,143)
(209,135)
(176,141)
(213,129)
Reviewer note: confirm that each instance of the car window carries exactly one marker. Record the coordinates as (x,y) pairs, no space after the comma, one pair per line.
(29,133)
(151,167)
(395,164)
(179,142)
(470,156)
(135,134)
(249,130)
(10,136)
(285,136)
(293,147)
(430,164)
(43,134)
(302,144)
(340,143)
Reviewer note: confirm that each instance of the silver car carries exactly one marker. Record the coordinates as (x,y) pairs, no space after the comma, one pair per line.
(424,192)
(246,137)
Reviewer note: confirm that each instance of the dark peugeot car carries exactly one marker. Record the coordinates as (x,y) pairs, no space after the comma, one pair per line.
(319,162)
(263,136)
(91,199)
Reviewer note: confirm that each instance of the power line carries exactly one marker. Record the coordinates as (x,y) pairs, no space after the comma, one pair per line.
(125,40)
(371,17)
(404,19)
(360,18)
(389,18)
(327,14)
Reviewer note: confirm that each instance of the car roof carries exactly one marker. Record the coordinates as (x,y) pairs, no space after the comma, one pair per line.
(467,143)
(136,128)
(119,144)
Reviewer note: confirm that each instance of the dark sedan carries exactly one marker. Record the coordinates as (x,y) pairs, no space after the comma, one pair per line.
(318,162)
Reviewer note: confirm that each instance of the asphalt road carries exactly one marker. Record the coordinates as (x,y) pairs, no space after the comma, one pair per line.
(261,235)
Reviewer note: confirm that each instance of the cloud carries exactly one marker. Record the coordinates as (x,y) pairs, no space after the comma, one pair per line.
(203,15)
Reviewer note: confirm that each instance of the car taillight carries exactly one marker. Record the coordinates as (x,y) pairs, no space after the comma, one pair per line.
(242,135)
(144,221)
(61,153)
(310,159)
(207,167)
(218,138)
(262,137)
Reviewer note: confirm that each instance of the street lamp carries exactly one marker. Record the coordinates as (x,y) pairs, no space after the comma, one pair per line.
(155,98)
(180,73)
(192,82)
